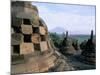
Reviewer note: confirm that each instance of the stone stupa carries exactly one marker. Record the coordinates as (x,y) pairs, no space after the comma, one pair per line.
(67,45)
(31,48)
(88,54)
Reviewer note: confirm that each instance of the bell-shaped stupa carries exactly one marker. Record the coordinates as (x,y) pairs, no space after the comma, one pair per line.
(31,47)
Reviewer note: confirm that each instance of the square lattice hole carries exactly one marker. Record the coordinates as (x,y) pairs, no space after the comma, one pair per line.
(27,38)
(40,23)
(37,47)
(43,38)
(16,29)
(16,49)
(35,29)
(27,21)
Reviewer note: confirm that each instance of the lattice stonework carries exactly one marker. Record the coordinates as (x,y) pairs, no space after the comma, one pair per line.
(26,48)
(28,38)
(26,29)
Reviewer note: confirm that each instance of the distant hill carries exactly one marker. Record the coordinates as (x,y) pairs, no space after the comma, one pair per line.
(58,30)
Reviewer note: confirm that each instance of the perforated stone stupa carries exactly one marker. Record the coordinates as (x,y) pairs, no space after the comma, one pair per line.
(89,50)
(31,47)
(67,45)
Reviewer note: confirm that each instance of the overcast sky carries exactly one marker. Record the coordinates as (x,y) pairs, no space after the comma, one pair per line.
(77,19)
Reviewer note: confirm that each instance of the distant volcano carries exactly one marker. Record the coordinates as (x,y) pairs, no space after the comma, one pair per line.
(58,30)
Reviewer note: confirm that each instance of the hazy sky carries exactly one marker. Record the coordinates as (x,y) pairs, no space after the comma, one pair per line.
(77,19)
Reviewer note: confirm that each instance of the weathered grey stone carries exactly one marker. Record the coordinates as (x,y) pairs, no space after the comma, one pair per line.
(17,38)
(35,38)
(27,29)
(26,48)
